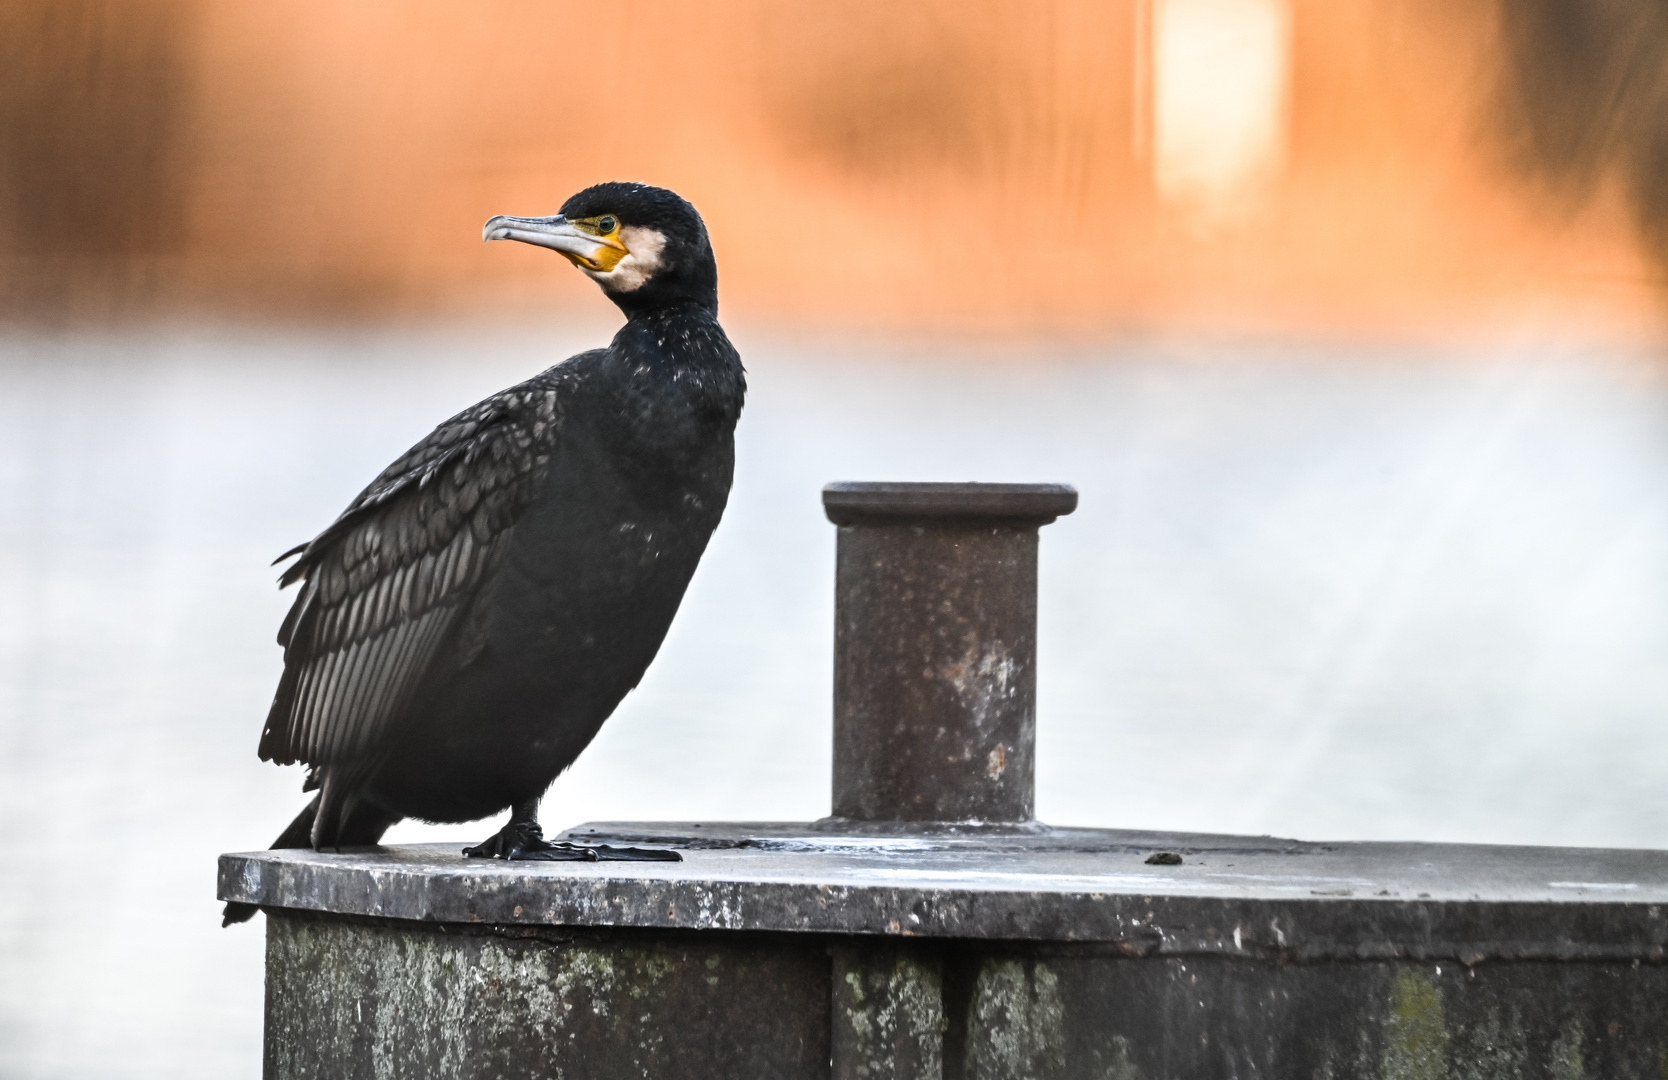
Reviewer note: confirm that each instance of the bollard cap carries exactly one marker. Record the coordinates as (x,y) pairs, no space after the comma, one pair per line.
(862,503)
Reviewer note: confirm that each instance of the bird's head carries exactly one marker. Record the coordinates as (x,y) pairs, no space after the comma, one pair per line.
(645,246)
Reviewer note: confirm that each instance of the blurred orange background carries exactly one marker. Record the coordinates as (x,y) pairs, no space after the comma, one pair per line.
(982,165)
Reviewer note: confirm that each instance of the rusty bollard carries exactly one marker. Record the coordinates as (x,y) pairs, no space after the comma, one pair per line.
(935,649)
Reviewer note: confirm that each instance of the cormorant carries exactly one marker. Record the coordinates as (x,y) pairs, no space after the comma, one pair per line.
(472,618)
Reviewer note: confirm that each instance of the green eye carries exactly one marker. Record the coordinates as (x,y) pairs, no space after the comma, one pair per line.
(607,225)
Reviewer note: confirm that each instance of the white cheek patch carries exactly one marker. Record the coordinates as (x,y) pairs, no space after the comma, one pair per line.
(643,249)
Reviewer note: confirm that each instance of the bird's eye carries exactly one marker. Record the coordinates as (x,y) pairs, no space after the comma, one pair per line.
(607,225)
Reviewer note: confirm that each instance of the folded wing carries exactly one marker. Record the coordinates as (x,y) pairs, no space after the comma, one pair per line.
(383,587)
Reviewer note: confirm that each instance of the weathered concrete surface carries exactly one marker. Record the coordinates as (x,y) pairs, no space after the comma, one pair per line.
(888,1015)
(836,950)
(352,999)
(363,999)
(1068,1013)
(1247,897)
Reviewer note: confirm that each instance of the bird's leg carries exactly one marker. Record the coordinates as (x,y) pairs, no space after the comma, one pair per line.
(522,838)
(518,839)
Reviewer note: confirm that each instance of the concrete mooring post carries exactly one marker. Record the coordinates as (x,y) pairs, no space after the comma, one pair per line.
(930,928)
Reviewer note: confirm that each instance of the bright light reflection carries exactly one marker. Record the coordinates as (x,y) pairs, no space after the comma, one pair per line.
(1219,104)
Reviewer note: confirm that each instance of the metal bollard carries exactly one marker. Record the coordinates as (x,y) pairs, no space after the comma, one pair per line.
(935,649)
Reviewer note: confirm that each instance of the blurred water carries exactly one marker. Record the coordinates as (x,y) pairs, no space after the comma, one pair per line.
(1325,592)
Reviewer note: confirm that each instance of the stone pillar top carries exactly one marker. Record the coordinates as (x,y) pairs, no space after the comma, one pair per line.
(889,503)
(1163,893)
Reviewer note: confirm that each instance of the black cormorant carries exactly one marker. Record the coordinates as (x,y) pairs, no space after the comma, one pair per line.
(472,618)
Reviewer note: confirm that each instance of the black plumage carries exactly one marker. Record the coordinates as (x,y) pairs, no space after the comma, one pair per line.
(464,628)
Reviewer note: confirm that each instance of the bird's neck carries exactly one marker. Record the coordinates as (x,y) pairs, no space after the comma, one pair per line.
(673,311)
(678,358)
(675,335)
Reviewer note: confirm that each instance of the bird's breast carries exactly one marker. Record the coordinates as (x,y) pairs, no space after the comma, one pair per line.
(601,556)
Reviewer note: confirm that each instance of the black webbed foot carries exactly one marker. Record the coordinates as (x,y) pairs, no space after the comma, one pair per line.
(517,840)
(524,840)
(562,851)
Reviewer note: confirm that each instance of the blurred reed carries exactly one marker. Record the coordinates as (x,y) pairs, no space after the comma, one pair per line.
(980,164)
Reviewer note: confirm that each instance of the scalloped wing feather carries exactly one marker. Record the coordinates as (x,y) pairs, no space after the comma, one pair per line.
(383,587)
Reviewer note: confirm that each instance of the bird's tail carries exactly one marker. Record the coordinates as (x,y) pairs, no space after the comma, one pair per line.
(363,826)
(299,834)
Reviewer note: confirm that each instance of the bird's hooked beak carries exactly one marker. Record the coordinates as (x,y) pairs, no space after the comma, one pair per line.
(578,241)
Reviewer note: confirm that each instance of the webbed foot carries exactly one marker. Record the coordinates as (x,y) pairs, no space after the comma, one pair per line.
(517,840)
(524,840)
(609,853)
